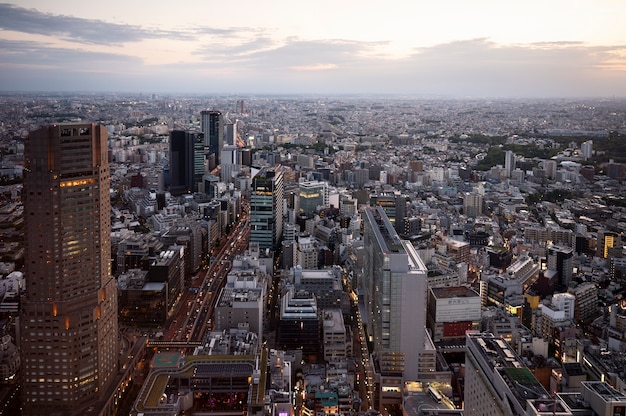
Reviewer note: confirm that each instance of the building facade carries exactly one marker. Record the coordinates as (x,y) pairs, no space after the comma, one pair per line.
(394,291)
(497,383)
(213,129)
(266,208)
(68,321)
(182,162)
(452,311)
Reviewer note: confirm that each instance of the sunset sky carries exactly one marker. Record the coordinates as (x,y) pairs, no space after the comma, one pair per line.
(481,48)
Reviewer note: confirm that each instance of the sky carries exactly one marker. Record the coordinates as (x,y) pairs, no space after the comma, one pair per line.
(444,48)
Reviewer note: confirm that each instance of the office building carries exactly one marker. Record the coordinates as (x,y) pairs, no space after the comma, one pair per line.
(141,302)
(230,163)
(213,129)
(615,170)
(299,327)
(558,313)
(200,162)
(509,163)
(231,134)
(603,398)
(503,291)
(586,148)
(334,336)
(458,250)
(241,302)
(473,204)
(607,241)
(586,303)
(560,259)
(182,162)
(452,311)
(325,284)
(394,290)
(498,383)
(266,207)
(68,320)
(524,270)
(312,194)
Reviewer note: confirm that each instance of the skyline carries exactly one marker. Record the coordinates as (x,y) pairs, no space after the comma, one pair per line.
(449,49)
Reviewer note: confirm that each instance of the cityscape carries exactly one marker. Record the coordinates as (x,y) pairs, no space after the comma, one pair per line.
(306,255)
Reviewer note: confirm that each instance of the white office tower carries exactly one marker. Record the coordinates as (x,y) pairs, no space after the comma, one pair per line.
(231,134)
(587,149)
(509,163)
(231,163)
(498,383)
(394,289)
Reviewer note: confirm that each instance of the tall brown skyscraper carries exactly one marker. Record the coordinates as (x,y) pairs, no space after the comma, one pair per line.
(68,322)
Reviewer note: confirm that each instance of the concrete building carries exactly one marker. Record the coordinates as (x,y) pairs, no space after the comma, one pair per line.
(452,311)
(524,270)
(9,359)
(394,295)
(502,291)
(603,398)
(606,241)
(586,148)
(141,303)
(242,301)
(458,250)
(334,336)
(473,204)
(498,383)
(586,303)
(227,364)
(509,163)
(230,163)
(558,313)
(169,268)
(325,284)
(307,253)
(560,259)
(68,321)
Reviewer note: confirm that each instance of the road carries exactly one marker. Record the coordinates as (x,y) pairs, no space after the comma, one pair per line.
(197,303)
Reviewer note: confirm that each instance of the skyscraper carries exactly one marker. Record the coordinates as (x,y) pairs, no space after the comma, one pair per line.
(230,163)
(509,163)
(586,148)
(182,162)
(560,258)
(68,321)
(213,129)
(394,290)
(266,208)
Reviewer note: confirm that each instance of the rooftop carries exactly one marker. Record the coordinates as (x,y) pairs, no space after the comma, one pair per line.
(454,292)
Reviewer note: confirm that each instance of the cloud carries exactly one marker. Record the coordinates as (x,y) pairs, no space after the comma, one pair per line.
(294,52)
(234,50)
(548,69)
(475,67)
(88,31)
(13,52)
(318,67)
